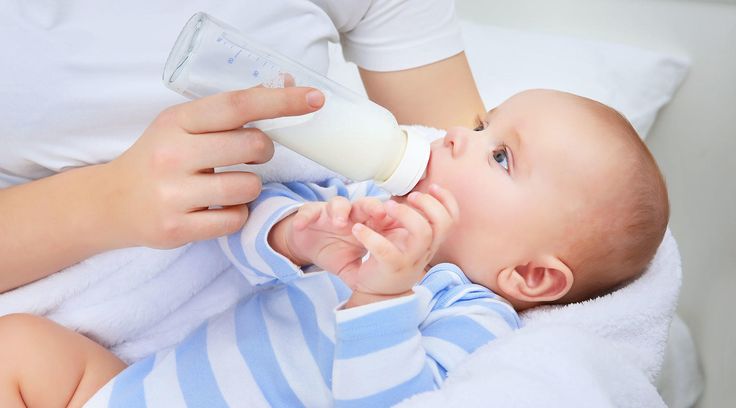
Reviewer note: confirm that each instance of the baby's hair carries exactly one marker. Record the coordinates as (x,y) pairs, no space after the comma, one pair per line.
(617,248)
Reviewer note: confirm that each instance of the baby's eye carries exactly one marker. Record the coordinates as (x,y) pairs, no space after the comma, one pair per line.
(480,127)
(501,157)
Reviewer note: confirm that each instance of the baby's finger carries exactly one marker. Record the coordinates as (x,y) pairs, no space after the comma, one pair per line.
(338,209)
(307,214)
(417,226)
(432,209)
(447,199)
(378,245)
(367,208)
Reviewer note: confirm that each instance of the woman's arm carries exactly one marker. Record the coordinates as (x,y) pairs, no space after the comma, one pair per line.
(441,94)
(160,193)
(52,223)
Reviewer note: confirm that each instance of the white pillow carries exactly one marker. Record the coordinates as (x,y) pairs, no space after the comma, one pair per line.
(634,81)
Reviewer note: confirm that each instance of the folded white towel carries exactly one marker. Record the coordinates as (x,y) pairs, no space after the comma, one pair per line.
(603,352)
(135,301)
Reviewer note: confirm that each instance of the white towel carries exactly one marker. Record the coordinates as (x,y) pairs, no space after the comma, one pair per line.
(603,352)
(135,301)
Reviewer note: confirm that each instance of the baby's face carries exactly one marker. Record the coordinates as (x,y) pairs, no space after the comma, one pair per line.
(521,182)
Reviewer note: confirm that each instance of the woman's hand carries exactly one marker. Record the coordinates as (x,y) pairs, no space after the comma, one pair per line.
(161,191)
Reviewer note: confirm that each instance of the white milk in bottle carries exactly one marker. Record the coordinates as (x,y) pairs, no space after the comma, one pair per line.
(350,134)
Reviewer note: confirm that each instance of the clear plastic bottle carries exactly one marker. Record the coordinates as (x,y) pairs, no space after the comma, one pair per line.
(350,134)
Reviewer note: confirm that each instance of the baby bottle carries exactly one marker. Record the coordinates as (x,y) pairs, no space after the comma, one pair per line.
(349,135)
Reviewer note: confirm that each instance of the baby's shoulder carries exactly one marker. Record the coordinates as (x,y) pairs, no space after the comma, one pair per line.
(446,287)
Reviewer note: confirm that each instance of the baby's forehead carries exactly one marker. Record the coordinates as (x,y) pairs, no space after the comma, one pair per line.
(580,153)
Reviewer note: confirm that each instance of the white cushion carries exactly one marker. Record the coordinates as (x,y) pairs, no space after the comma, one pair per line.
(634,81)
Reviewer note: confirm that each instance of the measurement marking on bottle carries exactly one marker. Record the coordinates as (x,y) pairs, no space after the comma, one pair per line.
(234,57)
(263,65)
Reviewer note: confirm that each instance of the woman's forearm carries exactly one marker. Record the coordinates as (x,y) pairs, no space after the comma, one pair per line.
(442,94)
(49,224)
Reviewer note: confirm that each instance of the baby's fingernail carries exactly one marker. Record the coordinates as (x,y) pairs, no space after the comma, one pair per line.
(413,195)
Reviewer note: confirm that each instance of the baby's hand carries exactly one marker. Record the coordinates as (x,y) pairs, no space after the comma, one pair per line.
(321,233)
(401,245)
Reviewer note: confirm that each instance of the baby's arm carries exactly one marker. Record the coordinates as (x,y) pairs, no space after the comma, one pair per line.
(47,365)
(388,351)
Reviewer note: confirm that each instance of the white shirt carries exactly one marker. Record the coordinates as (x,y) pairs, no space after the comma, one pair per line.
(81,79)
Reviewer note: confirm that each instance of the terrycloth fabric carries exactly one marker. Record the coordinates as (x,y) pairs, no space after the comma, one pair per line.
(604,352)
(135,301)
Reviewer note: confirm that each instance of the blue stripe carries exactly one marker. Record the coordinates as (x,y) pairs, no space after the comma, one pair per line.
(462,294)
(128,391)
(236,248)
(509,315)
(374,191)
(321,347)
(342,291)
(461,331)
(255,347)
(473,291)
(360,347)
(303,191)
(196,379)
(436,282)
(446,269)
(399,317)
(342,190)
(442,370)
(424,381)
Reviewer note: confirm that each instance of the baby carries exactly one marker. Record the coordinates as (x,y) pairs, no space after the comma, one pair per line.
(553,199)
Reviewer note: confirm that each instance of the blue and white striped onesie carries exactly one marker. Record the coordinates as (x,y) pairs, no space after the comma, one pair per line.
(290,344)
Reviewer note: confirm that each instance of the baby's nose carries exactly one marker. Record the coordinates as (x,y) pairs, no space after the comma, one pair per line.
(455,139)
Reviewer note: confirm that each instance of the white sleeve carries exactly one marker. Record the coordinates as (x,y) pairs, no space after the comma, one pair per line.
(394,35)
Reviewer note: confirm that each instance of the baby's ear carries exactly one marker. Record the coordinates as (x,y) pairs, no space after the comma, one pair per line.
(543,280)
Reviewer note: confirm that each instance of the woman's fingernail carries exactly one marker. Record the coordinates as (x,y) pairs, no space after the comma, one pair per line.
(315,99)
